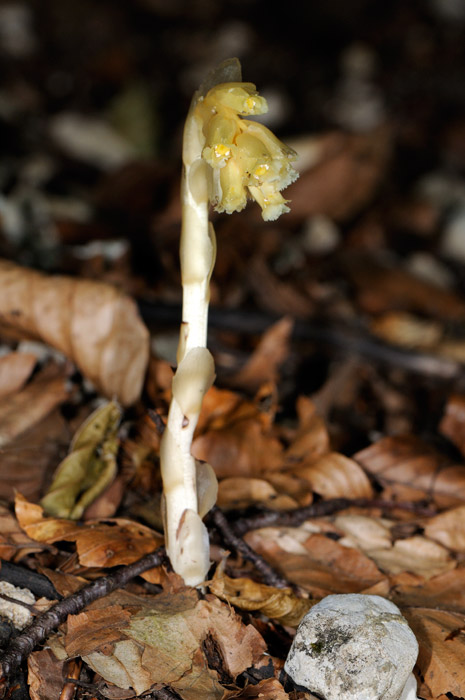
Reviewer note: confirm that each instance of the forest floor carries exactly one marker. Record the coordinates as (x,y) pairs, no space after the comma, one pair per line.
(336,425)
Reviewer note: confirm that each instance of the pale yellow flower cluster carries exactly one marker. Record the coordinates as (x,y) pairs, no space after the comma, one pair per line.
(244,156)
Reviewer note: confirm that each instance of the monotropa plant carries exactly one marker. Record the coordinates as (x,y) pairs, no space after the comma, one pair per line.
(226,159)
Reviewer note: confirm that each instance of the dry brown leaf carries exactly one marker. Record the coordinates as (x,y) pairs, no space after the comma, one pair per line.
(99,544)
(364,532)
(93,323)
(241,492)
(448,528)
(28,460)
(278,603)
(333,475)
(274,295)
(238,439)
(383,288)
(45,675)
(29,406)
(264,363)
(311,439)
(410,469)
(441,659)
(452,424)
(444,591)
(14,543)
(416,555)
(317,563)
(162,640)
(406,330)
(15,369)
(268,689)
(349,168)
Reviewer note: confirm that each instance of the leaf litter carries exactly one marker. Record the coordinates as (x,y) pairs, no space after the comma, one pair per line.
(340,374)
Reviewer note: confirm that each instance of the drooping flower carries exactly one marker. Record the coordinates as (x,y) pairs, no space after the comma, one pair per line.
(244,156)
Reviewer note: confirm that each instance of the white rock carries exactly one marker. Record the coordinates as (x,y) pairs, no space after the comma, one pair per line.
(354,647)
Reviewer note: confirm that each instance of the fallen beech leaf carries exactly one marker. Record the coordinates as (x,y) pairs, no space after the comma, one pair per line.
(241,492)
(411,469)
(242,449)
(363,532)
(14,544)
(333,475)
(278,603)
(93,323)
(263,364)
(414,554)
(441,658)
(15,369)
(383,288)
(45,675)
(274,295)
(163,640)
(348,170)
(448,528)
(24,409)
(99,544)
(408,331)
(29,459)
(452,424)
(311,439)
(444,591)
(317,563)
(268,689)
(89,467)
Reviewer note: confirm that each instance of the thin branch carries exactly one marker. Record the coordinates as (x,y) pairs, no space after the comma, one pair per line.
(270,576)
(21,646)
(293,518)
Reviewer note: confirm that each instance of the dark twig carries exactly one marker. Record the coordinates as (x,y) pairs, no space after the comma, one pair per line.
(352,340)
(270,576)
(37,632)
(293,518)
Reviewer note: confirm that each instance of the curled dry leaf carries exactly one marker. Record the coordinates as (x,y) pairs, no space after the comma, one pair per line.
(238,438)
(345,176)
(29,406)
(453,422)
(333,475)
(99,544)
(408,468)
(241,492)
(441,658)
(311,439)
(89,467)
(92,323)
(278,603)
(15,369)
(263,364)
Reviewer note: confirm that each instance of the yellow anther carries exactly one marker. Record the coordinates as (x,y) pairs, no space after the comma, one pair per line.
(222,151)
(261,170)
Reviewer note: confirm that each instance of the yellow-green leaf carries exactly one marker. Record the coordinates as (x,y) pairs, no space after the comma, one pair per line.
(89,467)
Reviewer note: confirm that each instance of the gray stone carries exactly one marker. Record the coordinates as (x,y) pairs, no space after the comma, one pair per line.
(353,647)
